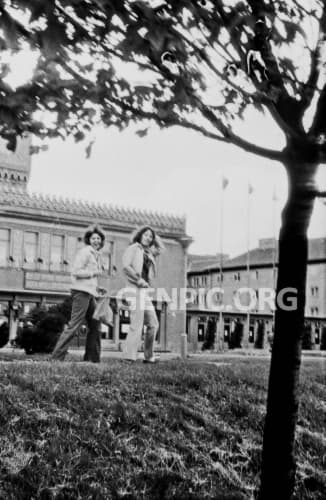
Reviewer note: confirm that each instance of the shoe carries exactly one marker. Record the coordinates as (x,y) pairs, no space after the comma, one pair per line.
(151,360)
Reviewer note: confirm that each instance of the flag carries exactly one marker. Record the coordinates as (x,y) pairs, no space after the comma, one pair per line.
(225,182)
(250,188)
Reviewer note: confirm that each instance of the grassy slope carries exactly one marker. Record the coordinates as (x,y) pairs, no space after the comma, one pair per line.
(176,430)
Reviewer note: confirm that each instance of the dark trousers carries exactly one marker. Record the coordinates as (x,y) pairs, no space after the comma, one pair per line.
(83,306)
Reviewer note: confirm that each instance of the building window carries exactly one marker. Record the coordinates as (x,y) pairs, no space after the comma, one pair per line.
(314,311)
(314,291)
(4,246)
(237,276)
(56,252)
(30,249)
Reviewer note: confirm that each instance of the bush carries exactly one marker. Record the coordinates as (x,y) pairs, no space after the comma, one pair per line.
(4,334)
(260,338)
(307,342)
(64,309)
(40,331)
(36,314)
(210,334)
(323,339)
(235,338)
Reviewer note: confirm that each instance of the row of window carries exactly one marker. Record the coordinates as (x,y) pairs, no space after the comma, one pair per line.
(229,327)
(196,281)
(253,275)
(202,280)
(44,251)
(12,177)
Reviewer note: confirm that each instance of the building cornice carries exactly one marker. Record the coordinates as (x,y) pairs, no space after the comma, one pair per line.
(16,202)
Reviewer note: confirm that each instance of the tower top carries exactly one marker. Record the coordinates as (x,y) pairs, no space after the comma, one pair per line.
(15,167)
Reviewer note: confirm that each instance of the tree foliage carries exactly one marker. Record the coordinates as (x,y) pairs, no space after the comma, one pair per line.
(199,64)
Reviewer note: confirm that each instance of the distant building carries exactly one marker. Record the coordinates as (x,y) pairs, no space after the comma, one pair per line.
(39,237)
(262,263)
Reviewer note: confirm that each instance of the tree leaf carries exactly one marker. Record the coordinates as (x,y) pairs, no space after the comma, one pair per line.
(142,133)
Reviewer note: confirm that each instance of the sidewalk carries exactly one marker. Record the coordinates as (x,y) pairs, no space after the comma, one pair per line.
(206,355)
(198,356)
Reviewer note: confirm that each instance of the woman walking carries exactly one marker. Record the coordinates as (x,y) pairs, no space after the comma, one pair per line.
(139,268)
(84,289)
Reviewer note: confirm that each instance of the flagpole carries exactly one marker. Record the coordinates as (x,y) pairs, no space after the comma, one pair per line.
(219,340)
(248,258)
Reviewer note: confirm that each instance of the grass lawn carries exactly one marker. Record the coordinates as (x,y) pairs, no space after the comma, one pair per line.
(172,431)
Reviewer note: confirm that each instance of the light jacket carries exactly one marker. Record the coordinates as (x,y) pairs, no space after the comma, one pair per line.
(87,262)
(132,262)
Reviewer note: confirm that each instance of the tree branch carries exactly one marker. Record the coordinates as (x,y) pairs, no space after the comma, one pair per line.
(229,137)
(218,73)
(286,108)
(311,84)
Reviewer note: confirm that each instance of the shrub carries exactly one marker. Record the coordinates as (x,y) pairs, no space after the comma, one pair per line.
(260,337)
(4,334)
(36,314)
(323,339)
(40,331)
(210,334)
(63,308)
(307,337)
(235,338)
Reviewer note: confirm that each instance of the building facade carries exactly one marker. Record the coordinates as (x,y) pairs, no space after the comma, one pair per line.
(40,235)
(245,288)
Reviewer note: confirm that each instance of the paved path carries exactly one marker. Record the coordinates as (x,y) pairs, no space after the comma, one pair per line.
(210,357)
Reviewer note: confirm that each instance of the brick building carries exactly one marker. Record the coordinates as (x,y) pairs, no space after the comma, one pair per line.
(39,237)
(258,272)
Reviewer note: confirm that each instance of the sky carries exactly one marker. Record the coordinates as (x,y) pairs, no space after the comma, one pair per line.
(180,172)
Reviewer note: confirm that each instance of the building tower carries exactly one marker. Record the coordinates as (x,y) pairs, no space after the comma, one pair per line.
(15,167)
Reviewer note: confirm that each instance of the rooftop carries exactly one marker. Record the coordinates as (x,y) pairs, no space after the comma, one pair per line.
(260,256)
(15,198)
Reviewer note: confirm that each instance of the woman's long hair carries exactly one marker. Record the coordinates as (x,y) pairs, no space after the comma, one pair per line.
(137,236)
(95,228)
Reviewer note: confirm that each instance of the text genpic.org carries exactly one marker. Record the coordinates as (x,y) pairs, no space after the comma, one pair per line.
(243,299)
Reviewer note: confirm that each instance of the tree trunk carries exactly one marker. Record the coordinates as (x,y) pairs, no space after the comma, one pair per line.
(278,462)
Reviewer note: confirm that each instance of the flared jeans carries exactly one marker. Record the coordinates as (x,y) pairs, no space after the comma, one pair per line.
(142,313)
(83,307)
